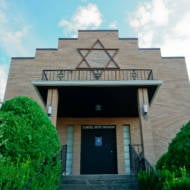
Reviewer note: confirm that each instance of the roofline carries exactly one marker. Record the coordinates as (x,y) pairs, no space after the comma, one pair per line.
(128,38)
(67,38)
(52,49)
(132,38)
(149,48)
(22,57)
(98,30)
(173,57)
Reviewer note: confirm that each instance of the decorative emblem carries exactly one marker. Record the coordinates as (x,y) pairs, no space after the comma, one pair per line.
(134,75)
(60,75)
(98,73)
(97,57)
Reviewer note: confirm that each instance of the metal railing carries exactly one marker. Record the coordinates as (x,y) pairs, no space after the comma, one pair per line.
(140,163)
(138,148)
(63,154)
(97,74)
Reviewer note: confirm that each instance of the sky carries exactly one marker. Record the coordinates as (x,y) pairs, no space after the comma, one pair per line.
(26,25)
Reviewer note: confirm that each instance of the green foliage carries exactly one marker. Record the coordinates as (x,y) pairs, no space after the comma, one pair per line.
(167,180)
(48,179)
(27,139)
(178,184)
(14,175)
(148,181)
(181,182)
(178,154)
(17,175)
(173,166)
(165,175)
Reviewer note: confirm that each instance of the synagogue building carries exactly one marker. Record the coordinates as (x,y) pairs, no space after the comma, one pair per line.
(104,93)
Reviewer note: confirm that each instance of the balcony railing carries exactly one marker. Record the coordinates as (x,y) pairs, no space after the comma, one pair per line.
(97,74)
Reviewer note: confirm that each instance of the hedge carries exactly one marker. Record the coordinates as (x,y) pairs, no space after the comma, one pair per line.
(28,140)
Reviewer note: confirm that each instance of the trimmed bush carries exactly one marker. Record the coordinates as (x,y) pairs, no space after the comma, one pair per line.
(167,180)
(27,139)
(178,184)
(178,154)
(148,181)
(173,166)
(181,182)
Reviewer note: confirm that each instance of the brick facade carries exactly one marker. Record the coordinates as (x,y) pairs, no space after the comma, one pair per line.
(168,111)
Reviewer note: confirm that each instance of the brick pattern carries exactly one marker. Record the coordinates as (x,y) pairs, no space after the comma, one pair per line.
(52,100)
(146,128)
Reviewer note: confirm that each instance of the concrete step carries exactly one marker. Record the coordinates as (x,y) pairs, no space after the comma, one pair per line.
(99,182)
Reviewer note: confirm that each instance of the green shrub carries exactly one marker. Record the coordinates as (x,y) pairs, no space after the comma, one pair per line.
(50,181)
(148,181)
(178,183)
(18,175)
(173,166)
(14,175)
(27,139)
(165,175)
(167,180)
(178,154)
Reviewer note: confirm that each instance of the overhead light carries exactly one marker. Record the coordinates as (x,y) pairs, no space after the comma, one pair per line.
(145,109)
(98,107)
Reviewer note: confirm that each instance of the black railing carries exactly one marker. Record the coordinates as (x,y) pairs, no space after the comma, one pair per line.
(135,160)
(140,163)
(63,154)
(138,148)
(97,74)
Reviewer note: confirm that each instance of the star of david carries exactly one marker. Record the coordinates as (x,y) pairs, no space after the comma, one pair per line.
(97,57)
(60,75)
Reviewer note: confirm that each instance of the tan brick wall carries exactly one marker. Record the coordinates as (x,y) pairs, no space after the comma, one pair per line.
(52,100)
(120,148)
(146,128)
(170,108)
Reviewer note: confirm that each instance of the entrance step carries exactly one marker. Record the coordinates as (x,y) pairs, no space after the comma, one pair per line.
(99,182)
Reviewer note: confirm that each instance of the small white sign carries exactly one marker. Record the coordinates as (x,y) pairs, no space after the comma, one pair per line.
(98,141)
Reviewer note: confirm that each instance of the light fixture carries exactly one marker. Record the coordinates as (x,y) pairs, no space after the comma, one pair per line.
(145,109)
(98,107)
(49,110)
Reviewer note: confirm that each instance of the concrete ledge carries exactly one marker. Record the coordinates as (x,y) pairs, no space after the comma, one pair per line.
(99,83)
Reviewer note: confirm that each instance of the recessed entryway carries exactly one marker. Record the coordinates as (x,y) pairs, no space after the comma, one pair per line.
(98,149)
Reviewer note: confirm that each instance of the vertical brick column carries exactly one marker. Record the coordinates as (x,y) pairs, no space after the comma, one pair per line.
(146,130)
(120,155)
(52,100)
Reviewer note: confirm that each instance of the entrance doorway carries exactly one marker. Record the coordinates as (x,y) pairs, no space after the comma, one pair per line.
(98,150)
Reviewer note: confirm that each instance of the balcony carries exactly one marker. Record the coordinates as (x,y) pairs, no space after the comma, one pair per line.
(97,74)
(81,90)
